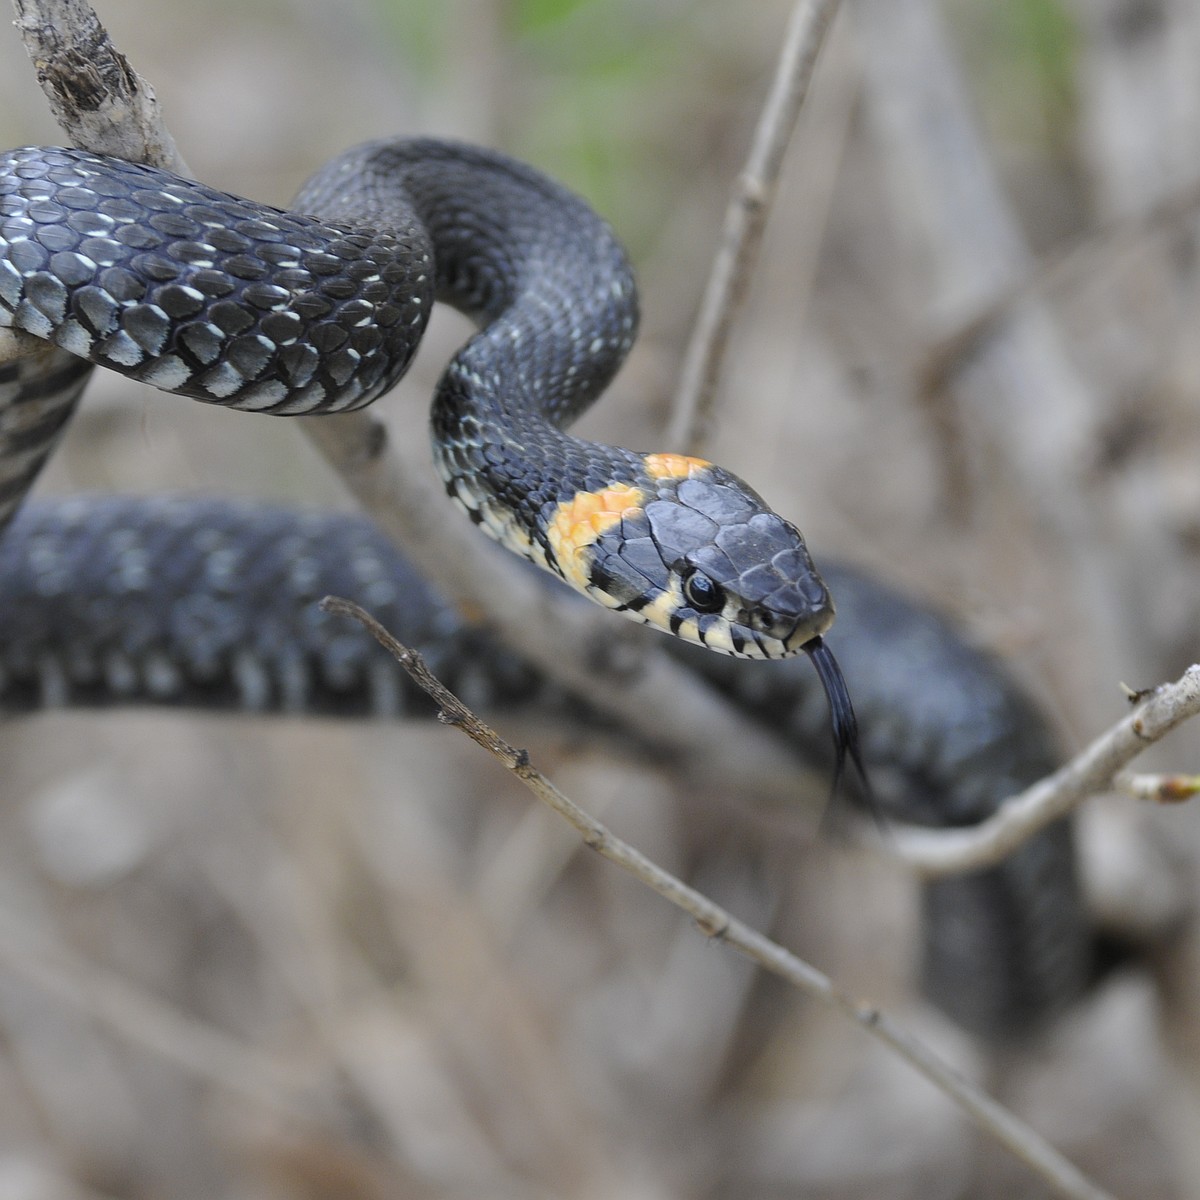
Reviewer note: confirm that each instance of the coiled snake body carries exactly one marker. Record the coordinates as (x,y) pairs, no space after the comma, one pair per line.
(200,293)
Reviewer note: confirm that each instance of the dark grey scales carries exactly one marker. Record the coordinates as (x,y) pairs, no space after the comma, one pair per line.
(214,297)
(227,301)
(210,604)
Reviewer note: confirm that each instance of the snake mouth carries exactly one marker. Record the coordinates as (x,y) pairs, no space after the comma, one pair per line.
(843,721)
(807,631)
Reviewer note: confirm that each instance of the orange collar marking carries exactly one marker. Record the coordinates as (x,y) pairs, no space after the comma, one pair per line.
(578,522)
(673,466)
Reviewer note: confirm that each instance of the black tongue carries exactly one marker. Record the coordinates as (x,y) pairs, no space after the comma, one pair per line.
(842,720)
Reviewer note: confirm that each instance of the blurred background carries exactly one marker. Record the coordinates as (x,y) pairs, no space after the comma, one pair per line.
(268,959)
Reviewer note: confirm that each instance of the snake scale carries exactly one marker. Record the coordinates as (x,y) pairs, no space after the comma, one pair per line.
(320,309)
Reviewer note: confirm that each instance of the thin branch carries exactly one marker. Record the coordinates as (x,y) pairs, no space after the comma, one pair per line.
(99,100)
(745,219)
(663,700)
(715,922)
(950,851)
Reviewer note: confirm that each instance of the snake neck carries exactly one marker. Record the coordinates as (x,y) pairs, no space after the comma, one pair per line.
(549,286)
(505,464)
(671,541)
(543,276)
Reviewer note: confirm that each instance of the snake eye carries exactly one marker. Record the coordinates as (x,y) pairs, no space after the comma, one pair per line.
(702,593)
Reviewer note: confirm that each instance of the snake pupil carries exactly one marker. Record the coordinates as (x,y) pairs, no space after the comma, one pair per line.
(702,593)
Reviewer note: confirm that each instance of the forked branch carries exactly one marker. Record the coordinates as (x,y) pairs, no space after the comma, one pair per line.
(1096,769)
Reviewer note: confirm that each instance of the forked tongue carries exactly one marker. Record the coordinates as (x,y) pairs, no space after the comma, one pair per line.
(842,720)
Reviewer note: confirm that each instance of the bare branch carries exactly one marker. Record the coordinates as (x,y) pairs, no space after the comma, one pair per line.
(949,851)
(99,100)
(715,922)
(745,220)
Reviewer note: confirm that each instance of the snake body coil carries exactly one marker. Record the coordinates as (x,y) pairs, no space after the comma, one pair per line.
(320,310)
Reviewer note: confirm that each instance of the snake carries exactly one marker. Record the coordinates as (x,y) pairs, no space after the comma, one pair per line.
(320,308)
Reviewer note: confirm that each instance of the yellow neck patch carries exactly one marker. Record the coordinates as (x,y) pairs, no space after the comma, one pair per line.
(673,466)
(578,522)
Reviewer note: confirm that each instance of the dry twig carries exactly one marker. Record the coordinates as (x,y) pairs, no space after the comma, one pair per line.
(99,100)
(745,219)
(715,922)
(949,851)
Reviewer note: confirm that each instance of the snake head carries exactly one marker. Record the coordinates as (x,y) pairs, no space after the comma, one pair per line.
(695,551)
(692,549)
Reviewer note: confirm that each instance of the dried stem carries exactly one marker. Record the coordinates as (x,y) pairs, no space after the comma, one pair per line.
(745,220)
(715,922)
(949,851)
(99,100)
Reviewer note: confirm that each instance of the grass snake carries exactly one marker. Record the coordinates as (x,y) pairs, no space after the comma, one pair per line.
(320,309)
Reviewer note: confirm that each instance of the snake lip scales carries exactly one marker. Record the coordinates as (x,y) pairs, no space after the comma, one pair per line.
(321,308)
